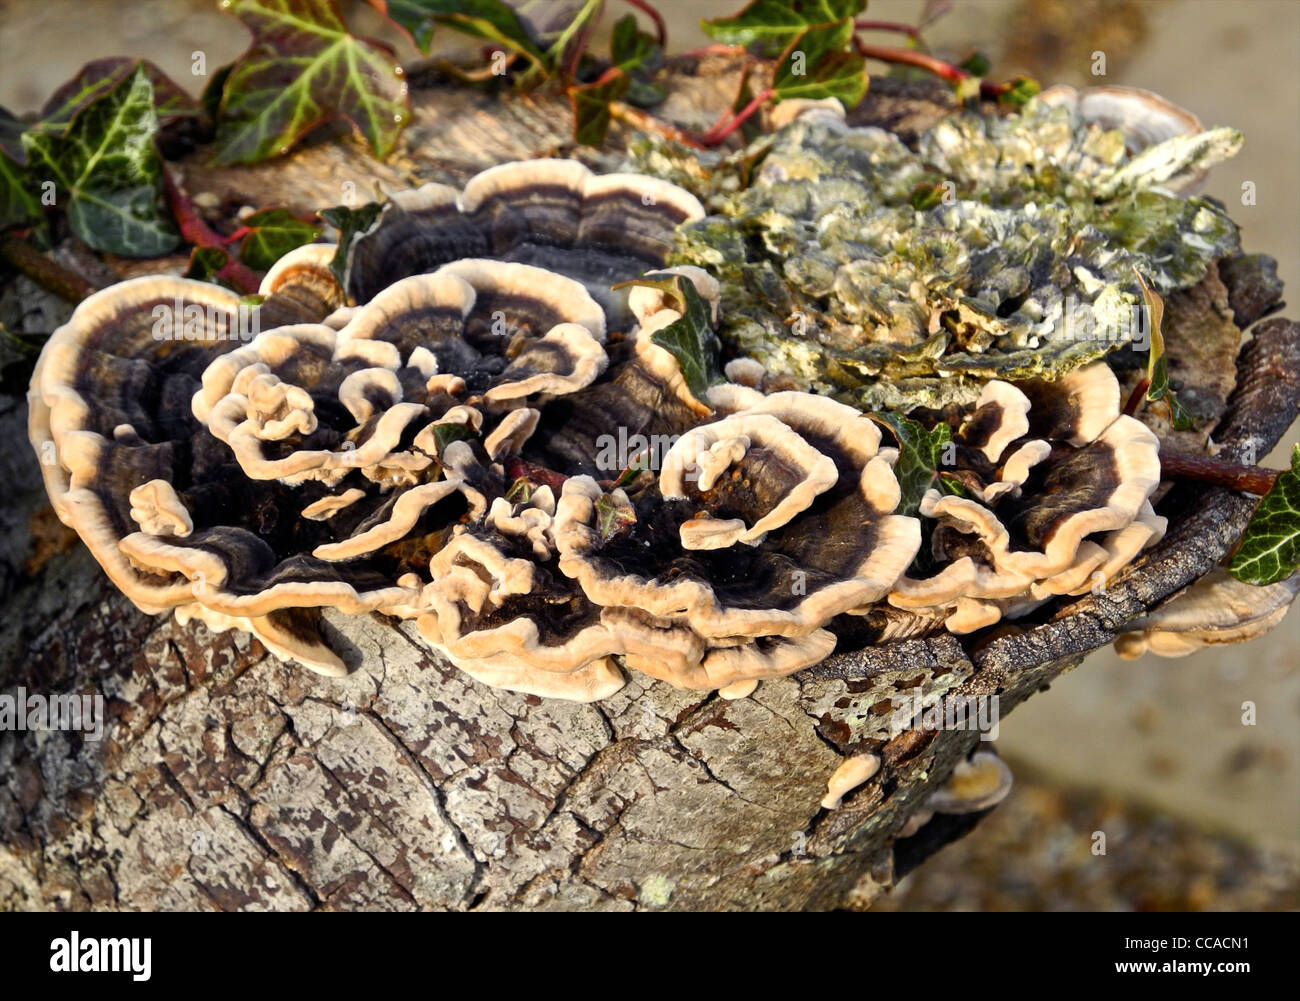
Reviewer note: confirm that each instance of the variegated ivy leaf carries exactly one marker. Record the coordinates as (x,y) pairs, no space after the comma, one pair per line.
(305,68)
(1269,550)
(106,172)
(690,339)
(920,454)
(101,76)
(272,234)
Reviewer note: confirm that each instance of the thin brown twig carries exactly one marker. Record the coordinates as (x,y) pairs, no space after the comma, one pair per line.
(1135,398)
(1203,468)
(48,273)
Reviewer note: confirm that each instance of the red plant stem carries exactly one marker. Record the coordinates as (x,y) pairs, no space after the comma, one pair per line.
(661,29)
(199,233)
(1135,398)
(724,126)
(46,272)
(1251,479)
(906,29)
(910,57)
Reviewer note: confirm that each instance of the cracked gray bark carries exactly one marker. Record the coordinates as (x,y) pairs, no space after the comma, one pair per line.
(227,779)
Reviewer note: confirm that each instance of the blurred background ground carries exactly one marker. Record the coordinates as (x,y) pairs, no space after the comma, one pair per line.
(1199,810)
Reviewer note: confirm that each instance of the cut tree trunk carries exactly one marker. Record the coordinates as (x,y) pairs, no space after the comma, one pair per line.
(226,779)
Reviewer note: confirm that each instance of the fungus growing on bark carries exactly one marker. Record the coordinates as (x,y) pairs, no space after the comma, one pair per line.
(978,783)
(1216,610)
(600,229)
(1052,497)
(851,773)
(432,452)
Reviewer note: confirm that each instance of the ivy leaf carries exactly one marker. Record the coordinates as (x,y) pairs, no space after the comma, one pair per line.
(612,517)
(628,475)
(11,137)
(491,19)
(302,69)
(630,47)
(101,77)
(273,233)
(635,53)
(817,65)
(205,262)
(1157,375)
(690,339)
(920,454)
(1022,89)
(445,434)
(591,115)
(771,25)
(351,224)
(107,172)
(18,205)
(210,99)
(976,64)
(1269,550)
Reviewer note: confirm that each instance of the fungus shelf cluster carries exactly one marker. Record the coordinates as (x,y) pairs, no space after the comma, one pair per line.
(429,438)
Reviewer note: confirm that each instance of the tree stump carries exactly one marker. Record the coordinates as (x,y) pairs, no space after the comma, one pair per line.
(226,779)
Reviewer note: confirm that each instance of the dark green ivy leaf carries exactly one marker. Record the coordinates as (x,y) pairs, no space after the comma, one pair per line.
(304,68)
(630,47)
(11,137)
(920,454)
(690,339)
(102,76)
(351,223)
(18,202)
(445,434)
(636,54)
(771,25)
(107,172)
(1269,550)
(205,262)
(274,232)
(493,20)
(817,65)
(590,102)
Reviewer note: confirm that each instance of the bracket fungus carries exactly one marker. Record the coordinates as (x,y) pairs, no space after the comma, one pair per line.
(978,783)
(1215,610)
(430,449)
(1051,497)
(492,426)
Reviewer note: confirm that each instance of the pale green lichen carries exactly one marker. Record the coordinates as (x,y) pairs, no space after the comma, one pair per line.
(1001,246)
